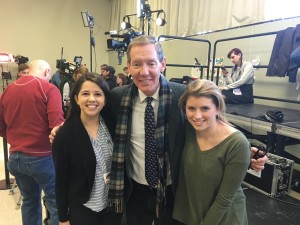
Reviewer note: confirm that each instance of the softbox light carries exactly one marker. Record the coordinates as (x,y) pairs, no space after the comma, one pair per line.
(87,19)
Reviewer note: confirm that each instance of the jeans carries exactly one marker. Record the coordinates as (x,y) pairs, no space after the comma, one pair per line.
(32,175)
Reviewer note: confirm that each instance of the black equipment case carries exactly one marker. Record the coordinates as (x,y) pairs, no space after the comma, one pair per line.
(274,180)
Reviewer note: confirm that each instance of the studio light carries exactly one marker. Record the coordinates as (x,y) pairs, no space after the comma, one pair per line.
(87,19)
(125,24)
(161,21)
(6,57)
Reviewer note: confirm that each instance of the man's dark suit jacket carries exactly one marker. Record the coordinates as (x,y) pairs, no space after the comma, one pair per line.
(175,135)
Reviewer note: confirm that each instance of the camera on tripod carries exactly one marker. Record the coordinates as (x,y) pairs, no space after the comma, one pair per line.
(19,59)
(68,68)
(127,37)
(121,46)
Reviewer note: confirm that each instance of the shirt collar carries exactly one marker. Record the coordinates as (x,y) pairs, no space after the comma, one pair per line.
(142,96)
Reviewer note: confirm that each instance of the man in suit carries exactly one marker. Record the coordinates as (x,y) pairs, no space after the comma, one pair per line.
(130,189)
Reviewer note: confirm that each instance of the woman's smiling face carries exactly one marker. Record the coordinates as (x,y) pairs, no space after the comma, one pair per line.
(90,99)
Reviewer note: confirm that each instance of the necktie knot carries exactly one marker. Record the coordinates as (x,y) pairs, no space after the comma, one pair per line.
(149,100)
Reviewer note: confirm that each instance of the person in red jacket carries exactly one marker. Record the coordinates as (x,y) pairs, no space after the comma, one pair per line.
(29,108)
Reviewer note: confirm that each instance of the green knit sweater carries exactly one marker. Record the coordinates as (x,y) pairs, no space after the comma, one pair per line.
(209,188)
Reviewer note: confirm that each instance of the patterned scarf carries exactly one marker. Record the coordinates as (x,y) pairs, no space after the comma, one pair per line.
(116,189)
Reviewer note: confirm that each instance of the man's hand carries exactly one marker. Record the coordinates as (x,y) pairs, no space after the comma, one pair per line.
(257,164)
(53,132)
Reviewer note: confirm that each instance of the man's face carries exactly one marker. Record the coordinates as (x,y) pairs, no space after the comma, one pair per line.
(105,74)
(145,68)
(102,69)
(23,72)
(125,71)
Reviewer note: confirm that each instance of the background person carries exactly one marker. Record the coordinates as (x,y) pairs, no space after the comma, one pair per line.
(29,108)
(102,67)
(239,83)
(214,161)
(126,72)
(68,85)
(121,79)
(109,76)
(23,70)
(57,78)
(82,153)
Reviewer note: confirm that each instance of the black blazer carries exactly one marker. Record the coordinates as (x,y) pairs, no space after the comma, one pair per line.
(75,166)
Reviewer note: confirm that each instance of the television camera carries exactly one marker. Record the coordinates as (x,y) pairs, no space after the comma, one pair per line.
(19,59)
(121,46)
(68,68)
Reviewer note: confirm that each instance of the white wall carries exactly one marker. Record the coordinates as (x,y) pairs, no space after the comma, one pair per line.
(39,29)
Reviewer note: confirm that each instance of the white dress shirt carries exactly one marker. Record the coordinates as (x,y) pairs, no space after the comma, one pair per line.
(137,137)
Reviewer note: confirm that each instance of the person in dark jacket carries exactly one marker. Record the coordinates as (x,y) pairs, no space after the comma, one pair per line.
(82,153)
(109,76)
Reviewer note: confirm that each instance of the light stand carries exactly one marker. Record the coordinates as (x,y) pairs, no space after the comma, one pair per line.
(5,184)
(144,12)
(88,21)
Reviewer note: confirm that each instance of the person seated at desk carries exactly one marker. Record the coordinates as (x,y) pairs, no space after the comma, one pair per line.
(239,83)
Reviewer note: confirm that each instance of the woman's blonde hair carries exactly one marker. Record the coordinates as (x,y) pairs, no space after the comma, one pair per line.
(206,88)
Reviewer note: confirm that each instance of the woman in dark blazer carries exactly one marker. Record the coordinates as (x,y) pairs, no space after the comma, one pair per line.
(82,153)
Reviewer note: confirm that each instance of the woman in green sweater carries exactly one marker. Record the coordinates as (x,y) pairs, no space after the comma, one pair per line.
(214,162)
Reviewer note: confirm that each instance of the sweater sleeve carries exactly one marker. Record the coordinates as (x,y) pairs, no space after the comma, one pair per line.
(62,171)
(236,165)
(247,71)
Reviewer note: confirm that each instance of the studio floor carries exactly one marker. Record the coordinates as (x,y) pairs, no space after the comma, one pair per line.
(262,210)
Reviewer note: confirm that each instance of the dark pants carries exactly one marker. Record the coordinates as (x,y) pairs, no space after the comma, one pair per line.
(141,207)
(82,215)
(245,97)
